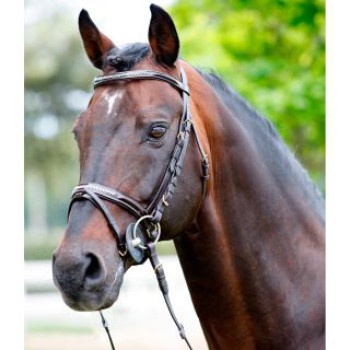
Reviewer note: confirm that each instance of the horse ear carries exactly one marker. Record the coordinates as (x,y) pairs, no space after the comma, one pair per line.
(163,37)
(95,43)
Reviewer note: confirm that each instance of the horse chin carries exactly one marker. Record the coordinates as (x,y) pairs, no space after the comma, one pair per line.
(94,300)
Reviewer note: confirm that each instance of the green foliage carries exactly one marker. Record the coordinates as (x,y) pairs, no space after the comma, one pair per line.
(272,53)
(56,74)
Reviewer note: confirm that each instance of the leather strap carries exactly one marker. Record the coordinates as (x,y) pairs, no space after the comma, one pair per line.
(91,196)
(139,75)
(112,195)
(169,182)
(163,286)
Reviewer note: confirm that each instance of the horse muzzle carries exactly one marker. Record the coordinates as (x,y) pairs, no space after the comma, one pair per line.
(83,278)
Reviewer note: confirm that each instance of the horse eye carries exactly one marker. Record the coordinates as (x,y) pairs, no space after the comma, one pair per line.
(157,132)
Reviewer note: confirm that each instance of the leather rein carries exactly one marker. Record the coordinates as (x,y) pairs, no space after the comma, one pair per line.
(141,237)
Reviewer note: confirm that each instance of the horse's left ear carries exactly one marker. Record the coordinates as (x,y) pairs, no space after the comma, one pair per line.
(163,37)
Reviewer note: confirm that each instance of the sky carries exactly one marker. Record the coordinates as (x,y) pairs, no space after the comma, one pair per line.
(124,21)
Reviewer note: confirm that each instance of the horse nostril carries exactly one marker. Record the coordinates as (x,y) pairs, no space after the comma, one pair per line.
(93,269)
(95,273)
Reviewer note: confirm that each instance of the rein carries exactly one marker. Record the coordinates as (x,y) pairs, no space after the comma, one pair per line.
(141,237)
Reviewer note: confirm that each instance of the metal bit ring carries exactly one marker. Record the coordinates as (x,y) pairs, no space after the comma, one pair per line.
(134,232)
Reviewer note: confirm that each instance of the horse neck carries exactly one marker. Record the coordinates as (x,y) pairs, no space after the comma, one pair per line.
(255,248)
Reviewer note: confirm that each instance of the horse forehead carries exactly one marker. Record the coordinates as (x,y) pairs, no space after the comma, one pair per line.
(136,98)
(109,100)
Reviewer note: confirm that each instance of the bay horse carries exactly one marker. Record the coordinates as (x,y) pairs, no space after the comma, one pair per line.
(170,145)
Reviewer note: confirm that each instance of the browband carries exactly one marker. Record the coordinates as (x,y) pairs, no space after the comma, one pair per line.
(140,75)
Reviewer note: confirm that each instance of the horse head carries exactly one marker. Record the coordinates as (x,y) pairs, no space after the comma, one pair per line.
(126,137)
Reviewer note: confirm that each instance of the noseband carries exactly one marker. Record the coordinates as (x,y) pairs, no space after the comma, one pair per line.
(151,215)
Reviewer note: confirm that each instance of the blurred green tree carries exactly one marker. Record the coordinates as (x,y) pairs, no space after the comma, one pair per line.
(273,54)
(55,83)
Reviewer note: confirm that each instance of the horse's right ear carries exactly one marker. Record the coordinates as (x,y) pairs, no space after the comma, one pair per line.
(95,43)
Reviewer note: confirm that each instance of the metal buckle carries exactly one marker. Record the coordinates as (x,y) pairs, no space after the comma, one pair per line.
(136,240)
(180,136)
(188,123)
(165,202)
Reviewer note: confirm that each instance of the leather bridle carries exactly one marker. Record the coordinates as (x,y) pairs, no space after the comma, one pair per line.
(140,237)
(153,213)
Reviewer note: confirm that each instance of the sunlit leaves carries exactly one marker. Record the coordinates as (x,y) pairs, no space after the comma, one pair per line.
(272,53)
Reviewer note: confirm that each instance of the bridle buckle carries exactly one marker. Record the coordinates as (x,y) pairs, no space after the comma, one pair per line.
(165,202)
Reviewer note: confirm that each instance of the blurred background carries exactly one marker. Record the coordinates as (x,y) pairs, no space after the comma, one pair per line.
(271,51)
